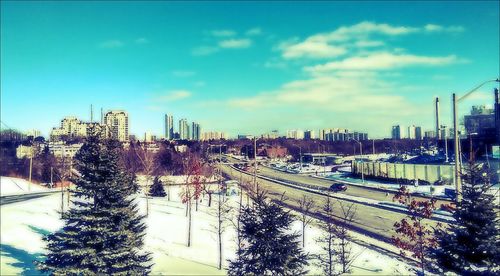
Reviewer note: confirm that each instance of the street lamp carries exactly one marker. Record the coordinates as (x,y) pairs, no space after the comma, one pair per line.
(455,100)
(442,127)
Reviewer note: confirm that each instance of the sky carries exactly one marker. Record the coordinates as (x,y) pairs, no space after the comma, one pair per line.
(246,67)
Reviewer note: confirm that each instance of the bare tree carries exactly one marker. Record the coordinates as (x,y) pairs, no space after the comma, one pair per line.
(149,167)
(192,188)
(326,259)
(343,237)
(306,207)
(223,214)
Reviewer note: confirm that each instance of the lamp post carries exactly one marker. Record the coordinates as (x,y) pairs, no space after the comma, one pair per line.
(442,127)
(455,100)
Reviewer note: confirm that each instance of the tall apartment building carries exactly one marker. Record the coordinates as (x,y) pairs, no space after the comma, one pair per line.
(195,131)
(169,127)
(117,123)
(411,132)
(309,135)
(418,133)
(183,129)
(213,135)
(70,127)
(430,134)
(396,132)
(295,134)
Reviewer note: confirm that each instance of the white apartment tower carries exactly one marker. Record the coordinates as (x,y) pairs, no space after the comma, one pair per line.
(117,123)
(195,131)
(169,127)
(183,129)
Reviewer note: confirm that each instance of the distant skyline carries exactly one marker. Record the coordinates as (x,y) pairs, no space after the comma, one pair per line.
(246,67)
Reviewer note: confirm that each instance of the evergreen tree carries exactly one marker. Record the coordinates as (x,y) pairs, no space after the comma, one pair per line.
(103,233)
(157,189)
(268,246)
(472,244)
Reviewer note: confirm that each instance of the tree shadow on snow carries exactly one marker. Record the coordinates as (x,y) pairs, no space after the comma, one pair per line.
(23,259)
(42,232)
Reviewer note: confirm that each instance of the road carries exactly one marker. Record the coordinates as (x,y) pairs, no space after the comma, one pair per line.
(353,190)
(4,200)
(369,220)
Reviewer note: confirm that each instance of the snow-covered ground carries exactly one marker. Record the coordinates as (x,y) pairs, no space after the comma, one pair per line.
(25,223)
(14,186)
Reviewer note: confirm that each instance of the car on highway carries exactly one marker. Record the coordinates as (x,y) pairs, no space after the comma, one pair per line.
(338,187)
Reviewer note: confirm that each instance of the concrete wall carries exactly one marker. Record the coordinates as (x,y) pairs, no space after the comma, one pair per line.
(428,172)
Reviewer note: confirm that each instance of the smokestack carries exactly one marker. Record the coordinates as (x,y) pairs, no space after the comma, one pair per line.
(91,113)
(102,117)
(497,115)
(438,132)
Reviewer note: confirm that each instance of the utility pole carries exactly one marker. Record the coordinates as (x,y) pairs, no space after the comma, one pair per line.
(255,164)
(458,180)
(373,146)
(31,168)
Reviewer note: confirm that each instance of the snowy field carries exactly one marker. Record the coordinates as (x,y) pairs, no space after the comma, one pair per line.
(25,223)
(14,186)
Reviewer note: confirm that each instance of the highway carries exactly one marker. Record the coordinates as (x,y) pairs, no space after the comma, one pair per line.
(4,200)
(353,190)
(372,221)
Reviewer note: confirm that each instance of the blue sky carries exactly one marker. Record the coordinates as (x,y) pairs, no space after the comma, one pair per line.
(245,67)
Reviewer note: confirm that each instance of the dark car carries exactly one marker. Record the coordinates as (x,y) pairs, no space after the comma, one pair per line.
(338,187)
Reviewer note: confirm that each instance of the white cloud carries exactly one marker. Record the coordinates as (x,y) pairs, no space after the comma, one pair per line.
(204,50)
(222,33)
(312,49)
(141,40)
(111,44)
(174,95)
(357,98)
(254,31)
(183,73)
(382,61)
(340,40)
(235,43)
(199,84)
(369,43)
(439,28)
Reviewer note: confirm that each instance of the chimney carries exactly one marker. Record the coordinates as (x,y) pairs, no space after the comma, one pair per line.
(91,113)
(497,115)
(438,132)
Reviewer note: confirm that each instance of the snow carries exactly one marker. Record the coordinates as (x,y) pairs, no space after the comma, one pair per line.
(14,186)
(25,223)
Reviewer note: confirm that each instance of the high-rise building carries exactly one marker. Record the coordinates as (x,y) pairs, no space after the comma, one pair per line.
(195,131)
(183,129)
(309,135)
(418,133)
(430,134)
(117,123)
(169,127)
(295,134)
(411,132)
(213,135)
(481,121)
(396,132)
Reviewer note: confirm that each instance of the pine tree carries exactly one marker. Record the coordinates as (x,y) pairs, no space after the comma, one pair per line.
(103,233)
(157,189)
(472,244)
(269,248)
